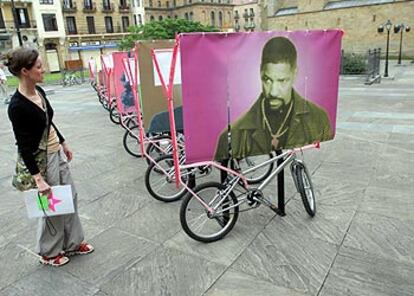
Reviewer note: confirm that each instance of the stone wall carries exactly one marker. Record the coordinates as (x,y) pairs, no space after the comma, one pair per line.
(359,23)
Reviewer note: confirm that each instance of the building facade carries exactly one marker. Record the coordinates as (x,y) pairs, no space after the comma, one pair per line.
(359,19)
(25,20)
(246,15)
(217,13)
(95,27)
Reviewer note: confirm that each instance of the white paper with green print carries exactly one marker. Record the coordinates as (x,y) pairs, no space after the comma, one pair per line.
(59,202)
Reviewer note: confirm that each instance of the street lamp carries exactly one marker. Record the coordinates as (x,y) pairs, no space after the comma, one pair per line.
(387,26)
(401,28)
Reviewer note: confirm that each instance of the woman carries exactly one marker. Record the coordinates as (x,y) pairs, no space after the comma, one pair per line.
(32,119)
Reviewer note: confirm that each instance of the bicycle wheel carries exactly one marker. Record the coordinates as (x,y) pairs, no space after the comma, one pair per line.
(131,142)
(260,174)
(198,223)
(161,147)
(114,115)
(161,184)
(305,188)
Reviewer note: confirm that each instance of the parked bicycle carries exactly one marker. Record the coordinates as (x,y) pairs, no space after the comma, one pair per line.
(70,78)
(212,210)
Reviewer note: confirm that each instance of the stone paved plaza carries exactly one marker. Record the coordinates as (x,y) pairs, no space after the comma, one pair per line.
(359,243)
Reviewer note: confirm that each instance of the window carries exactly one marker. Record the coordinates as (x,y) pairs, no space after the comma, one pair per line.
(108,24)
(212,19)
(123,3)
(106,4)
(2,25)
(186,16)
(135,20)
(220,19)
(150,3)
(91,24)
(125,23)
(160,18)
(49,22)
(139,19)
(46,1)
(159,3)
(167,3)
(22,17)
(68,4)
(71,23)
(88,4)
(191,16)
(176,16)
(151,18)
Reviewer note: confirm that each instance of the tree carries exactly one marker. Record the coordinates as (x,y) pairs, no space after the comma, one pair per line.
(165,29)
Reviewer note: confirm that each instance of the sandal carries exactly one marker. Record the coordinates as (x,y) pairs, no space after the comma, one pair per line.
(84,248)
(56,261)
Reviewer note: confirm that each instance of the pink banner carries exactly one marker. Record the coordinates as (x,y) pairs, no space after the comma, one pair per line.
(276,90)
(123,90)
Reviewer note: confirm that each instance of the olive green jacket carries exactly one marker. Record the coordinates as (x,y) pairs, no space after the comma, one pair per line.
(249,136)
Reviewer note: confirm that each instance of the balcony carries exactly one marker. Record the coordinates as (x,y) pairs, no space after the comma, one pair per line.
(69,8)
(107,7)
(89,7)
(124,8)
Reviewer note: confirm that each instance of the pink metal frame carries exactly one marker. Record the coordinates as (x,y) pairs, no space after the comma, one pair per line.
(107,80)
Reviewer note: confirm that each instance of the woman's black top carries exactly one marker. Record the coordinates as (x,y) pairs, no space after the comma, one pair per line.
(29,122)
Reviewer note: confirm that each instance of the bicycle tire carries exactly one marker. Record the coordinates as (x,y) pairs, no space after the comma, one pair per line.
(171,192)
(131,142)
(305,188)
(154,151)
(258,175)
(114,115)
(222,224)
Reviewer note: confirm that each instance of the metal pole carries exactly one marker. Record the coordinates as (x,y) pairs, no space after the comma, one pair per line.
(16,23)
(280,187)
(399,55)
(386,54)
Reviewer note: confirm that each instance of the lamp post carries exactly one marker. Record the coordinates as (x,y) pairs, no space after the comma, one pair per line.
(387,26)
(16,23)
(400,29)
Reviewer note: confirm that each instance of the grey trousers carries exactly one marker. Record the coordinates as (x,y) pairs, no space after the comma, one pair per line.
(69,233)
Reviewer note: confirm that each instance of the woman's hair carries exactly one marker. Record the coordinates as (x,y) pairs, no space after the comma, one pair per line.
(20,58)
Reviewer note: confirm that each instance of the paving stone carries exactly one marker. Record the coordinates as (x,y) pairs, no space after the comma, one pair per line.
(46,281)
(357,273)
(330,223)
(390,202)
(10,291)
(240,284)
(165,272)
(16,263)
(287,260)
(156,221)
(109,209)
(115,250)
(13,224)
(224,251)
(345,193)
(385,236)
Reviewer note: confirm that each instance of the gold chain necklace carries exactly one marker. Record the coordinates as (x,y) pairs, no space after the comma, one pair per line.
(280,132)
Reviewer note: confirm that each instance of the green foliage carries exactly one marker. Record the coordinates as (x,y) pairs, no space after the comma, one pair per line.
(165,29)
(353,63)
